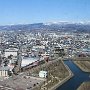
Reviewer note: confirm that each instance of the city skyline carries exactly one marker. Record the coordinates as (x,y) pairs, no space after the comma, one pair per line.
(34,11)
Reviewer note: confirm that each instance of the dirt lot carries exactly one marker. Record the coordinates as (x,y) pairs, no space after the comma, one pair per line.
(22,82)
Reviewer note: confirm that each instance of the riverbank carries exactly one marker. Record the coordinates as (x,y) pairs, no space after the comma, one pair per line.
(84,86)
(65,79)
(81,58)
(83,65)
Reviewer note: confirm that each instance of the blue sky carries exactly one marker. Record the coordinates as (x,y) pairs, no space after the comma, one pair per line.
(33,11)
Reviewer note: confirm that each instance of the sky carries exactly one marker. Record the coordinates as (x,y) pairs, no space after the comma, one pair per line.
(36,11)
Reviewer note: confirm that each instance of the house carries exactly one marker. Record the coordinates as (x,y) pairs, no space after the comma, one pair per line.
(43,74)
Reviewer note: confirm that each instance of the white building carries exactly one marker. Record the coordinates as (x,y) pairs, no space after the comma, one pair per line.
(28,60)
(4,71)
(39,47)
(43,74)
(11,51)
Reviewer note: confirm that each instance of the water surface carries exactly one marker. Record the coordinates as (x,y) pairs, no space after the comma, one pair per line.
(78,78)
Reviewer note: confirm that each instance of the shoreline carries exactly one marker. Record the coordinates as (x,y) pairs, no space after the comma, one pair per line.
(82,68)
(84,86)
(65,79)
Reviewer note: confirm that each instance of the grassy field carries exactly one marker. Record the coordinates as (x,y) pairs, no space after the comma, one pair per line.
(84,65)
(56,73)
(82,58)
(84,86)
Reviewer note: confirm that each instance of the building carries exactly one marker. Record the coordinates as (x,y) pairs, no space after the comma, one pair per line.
(4,71)
(39,47)
(59,51)
(28,60)
(11,51)
(43,74)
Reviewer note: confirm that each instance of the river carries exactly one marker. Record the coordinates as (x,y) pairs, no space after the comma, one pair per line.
(78,78)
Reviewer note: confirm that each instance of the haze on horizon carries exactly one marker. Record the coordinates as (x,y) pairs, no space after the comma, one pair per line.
(34,11)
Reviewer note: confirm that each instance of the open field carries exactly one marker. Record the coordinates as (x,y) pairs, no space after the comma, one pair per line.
(83,65)
(84,86)
(21,82)
(57,73)
(81,58)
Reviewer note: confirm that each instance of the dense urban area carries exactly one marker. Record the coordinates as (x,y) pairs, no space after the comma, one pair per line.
(32,56)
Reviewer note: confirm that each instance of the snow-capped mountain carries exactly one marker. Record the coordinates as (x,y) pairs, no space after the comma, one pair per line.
(62,25)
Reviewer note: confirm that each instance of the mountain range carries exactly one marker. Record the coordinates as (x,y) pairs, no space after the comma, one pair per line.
(61,26)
